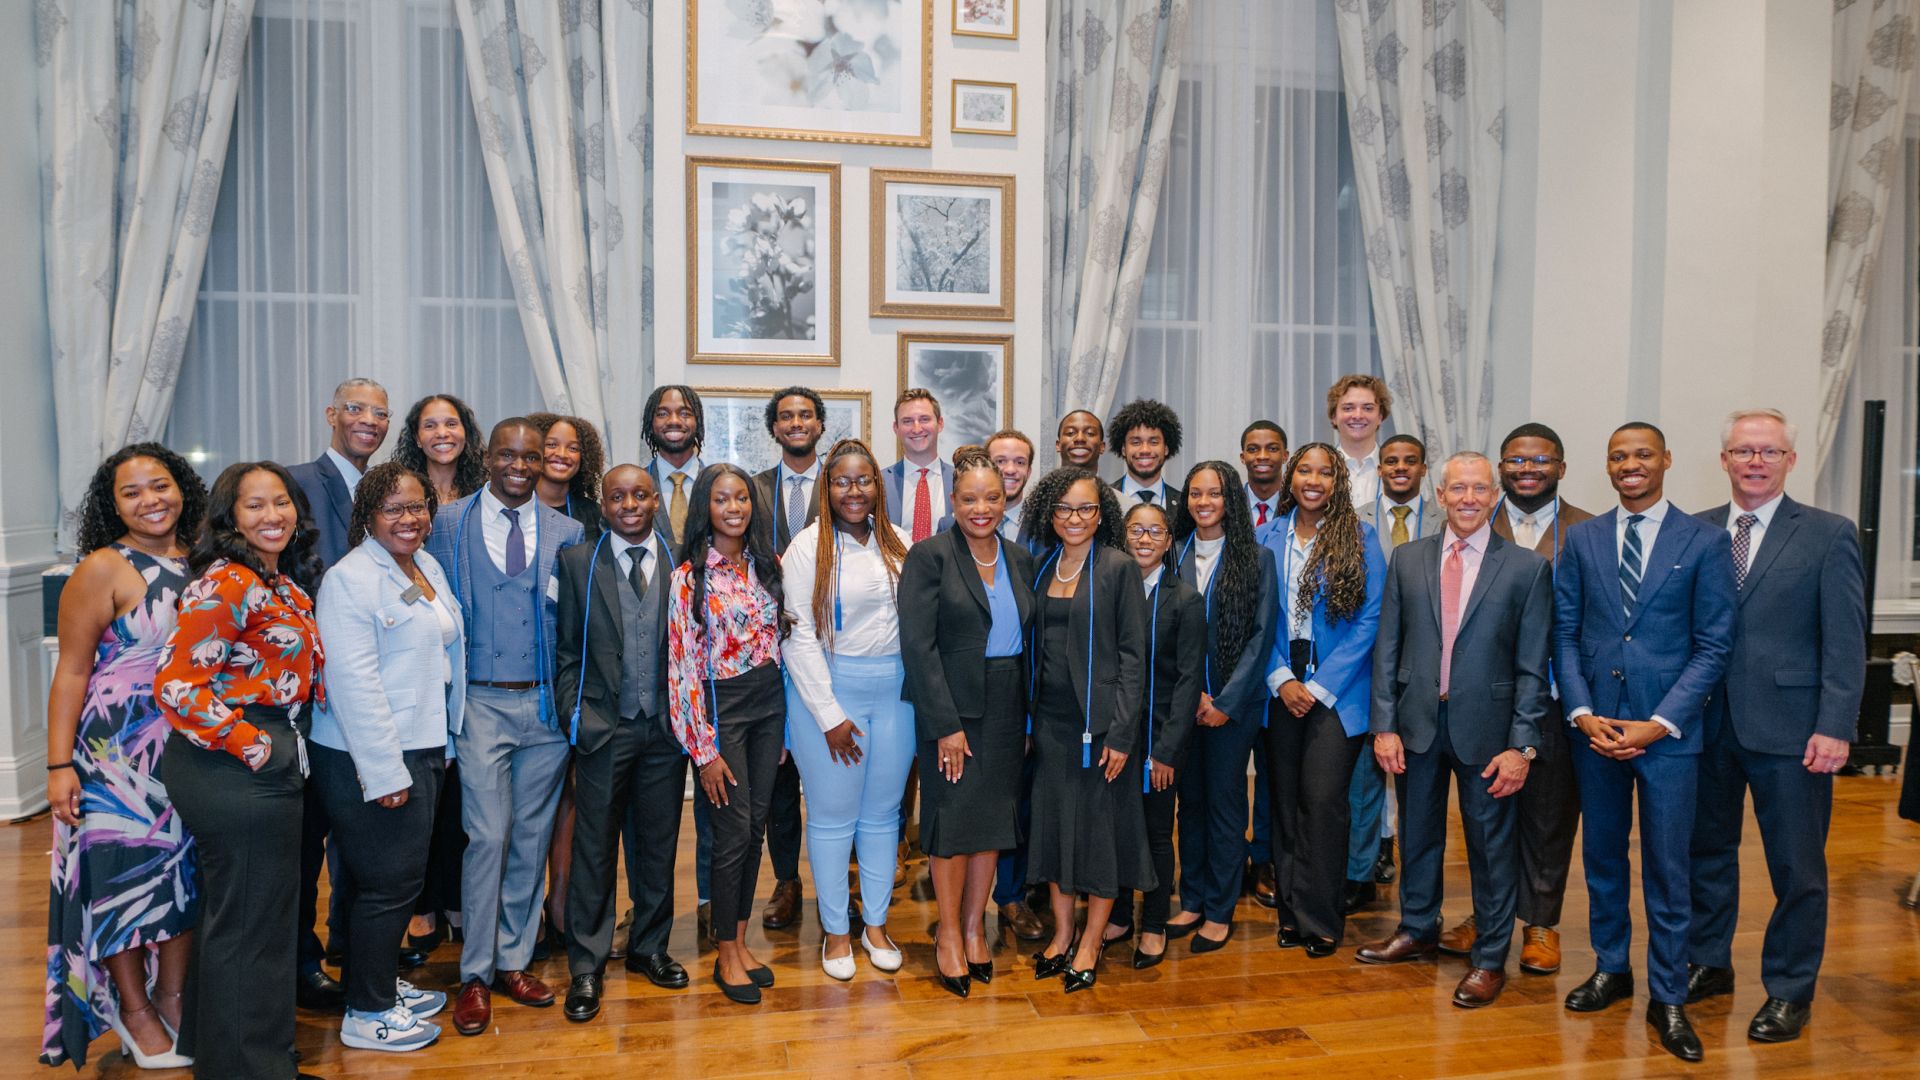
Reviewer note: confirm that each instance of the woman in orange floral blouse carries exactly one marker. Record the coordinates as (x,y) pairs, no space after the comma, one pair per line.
(726,699)
(242,664)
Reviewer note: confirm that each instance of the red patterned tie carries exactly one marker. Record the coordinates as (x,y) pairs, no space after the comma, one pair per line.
(922,510)
(1451,573)
(1262,504)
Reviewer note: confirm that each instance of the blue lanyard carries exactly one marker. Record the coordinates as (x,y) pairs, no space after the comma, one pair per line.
(1153,661)
(586,618)
(1419,514)
(1208,593)
(839,558)
(1287,590)
(539,598)
(1086,733)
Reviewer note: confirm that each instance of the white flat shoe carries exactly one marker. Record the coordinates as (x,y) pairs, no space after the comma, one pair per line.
(170,1058)
(886,959)
(840,968)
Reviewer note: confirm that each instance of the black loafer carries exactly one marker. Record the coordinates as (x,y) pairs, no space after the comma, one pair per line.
(1289,937)
(1602,988)
(660,969)
(739,993)
(1320,948)
(1676,1034)
(319,991)
(1204,944)
(1047,967)
(1706,982)
(583,998)
(1779,1020)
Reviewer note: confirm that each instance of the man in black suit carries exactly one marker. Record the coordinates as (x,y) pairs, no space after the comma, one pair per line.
(357,418)
(1463,610)
(1144,434)
(1781,725)
(611,647)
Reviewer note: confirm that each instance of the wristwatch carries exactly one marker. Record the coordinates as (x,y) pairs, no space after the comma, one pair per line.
(1527,752)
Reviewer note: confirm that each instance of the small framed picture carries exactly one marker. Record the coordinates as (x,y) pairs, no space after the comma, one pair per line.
(763,261)
(941,245)
(970,374)
(984,108)
(986,18)
(736,419)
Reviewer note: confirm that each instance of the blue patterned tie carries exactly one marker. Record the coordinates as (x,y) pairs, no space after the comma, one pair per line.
(1632,566)
(516,543)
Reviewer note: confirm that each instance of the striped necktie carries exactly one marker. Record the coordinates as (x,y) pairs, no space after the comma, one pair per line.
(1632,565)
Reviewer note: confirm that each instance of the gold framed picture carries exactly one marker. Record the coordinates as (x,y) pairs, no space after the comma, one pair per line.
(984,108)
(940,245)
(736,421)
(763,261)
(987,18)
(971,375)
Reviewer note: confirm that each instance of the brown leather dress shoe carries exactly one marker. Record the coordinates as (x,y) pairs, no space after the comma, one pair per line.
(1020,919)
(1398,949)
(1480,987)
(783,907)
(523,987)
(1266,884)
(1459,940)
(1540,955)
(473,1009)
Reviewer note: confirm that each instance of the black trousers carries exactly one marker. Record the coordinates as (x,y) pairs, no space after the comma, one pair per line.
(1156,904)
(441,891)
(316,851)
(640,771)
(237,1016)
(784,822)
(385,852)
(1548,811)
(1493,858)
(1309,762)
(752,729)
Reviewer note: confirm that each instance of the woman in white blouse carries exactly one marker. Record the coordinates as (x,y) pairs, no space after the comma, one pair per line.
(850,734)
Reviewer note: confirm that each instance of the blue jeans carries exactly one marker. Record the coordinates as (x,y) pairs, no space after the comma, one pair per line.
(854,806)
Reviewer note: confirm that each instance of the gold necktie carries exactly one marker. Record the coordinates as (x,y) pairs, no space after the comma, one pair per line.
(677,507)
(1399,534)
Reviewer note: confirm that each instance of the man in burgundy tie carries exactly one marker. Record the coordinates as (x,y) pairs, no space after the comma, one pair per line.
(1263,457)
(1463,610)
(918,485)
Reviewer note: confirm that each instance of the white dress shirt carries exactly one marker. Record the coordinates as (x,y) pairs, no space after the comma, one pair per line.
(1152,580)
(624,554)
(1529,528)
(869,616)
(1130,489)
(494,527)
(1649,530)
(1764,512)
(807,480)
(1254,501)
(1298,626)
(1363,476)
(910,491)
(348,471)
(449,633)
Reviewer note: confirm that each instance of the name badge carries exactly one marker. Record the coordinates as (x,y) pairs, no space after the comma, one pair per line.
(413,594)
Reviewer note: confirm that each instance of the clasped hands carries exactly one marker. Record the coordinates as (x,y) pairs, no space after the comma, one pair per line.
(1621,740)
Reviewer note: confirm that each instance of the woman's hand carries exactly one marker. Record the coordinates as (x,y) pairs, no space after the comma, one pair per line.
(1212,717)
(1297,698)
(257,755)
(63,794)
(1113,761)
(394,801)
(1162,776)
(953,753)
(840,744)
(715,779)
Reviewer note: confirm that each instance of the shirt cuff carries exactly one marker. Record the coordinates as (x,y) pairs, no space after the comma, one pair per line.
(240,736)
(1573,718)
(1320,693)
(828,719)
(1279,677)
(1672,728)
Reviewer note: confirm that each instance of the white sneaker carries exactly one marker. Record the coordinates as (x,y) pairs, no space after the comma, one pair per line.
(886,959)
(421,1003)
(396,1030)
(840,968)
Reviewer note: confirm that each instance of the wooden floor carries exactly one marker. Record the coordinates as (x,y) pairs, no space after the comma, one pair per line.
(1249,1010)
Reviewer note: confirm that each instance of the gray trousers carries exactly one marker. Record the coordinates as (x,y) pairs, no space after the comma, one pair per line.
(510,771)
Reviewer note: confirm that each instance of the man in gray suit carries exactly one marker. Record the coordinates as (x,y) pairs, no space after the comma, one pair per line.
(1781,725)
(1463,610)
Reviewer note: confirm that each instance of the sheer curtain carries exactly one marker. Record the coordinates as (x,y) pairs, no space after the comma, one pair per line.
(1256,292)
(355,235)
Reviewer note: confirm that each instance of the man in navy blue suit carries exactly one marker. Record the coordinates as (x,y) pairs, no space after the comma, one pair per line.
(1782,725)
(1644,606)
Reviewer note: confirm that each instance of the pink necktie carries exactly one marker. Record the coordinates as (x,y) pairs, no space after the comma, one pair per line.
(1451,573)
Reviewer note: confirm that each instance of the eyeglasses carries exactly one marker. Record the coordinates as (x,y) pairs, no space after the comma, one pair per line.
(394,512)
(1063,512)
(1146,532)
(356,410)
(1772,455)
(1517,462)
(848,483)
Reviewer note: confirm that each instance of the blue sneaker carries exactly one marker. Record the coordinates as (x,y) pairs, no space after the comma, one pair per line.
(396,1030)
(421,1003)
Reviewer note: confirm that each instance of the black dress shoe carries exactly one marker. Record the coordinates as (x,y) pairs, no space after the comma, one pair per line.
(1383,870)
(1204,944)
(583,998)
(1320,948)
(1047,967)
(1175,931)
(1705,982)
(957,985)
(1601,989)
(761,976)
(1289,938)
(411,958)
(1355,897)
(1676,1034)
(1779,1021)
(739,993)
(660,969)
(980,973)
(320,991)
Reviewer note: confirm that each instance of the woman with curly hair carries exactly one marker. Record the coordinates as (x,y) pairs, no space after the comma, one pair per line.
(441,441)
(1321,673)
(1088,645)
(572,460)
(1215,552)
(397,651)
(125,892)
(237,674)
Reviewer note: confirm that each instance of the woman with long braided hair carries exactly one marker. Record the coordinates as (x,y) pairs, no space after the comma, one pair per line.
(1321,673)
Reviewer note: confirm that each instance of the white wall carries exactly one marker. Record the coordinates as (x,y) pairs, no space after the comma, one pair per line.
(868,345)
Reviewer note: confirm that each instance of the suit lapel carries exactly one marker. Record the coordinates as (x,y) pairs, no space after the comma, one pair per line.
(1430,567)
(1080,620)
(1772,542)
(1667,544)
(1483,581)
(606,589)
(971,575)
(1606,556)
(339,500)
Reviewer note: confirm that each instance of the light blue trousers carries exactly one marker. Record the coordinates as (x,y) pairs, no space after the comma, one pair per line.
(857,806)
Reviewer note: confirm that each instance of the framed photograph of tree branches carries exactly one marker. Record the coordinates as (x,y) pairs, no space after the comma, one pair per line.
(941,245)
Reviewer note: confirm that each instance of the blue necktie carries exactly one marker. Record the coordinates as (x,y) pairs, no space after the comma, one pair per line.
(516,543)
(1631,565)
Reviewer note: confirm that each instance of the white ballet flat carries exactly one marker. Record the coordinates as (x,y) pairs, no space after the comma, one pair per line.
(885,959)
(840,968)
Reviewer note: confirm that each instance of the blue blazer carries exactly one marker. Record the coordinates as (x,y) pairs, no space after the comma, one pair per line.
(1672,653)
(894,476)
(384,663)
(1344,650)
(329,503)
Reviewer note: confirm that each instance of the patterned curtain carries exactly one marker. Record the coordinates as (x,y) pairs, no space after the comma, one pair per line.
(1426,107)
(563,96)
(1114,66)
(1873,49)
(136,103)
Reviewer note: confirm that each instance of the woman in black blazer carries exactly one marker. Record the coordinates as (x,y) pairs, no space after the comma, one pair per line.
(1088,649)
(1214,551)
(1177,639)
(965,598)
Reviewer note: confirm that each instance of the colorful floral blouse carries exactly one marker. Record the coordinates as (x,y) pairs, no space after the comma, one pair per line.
(239,641)
(743,625)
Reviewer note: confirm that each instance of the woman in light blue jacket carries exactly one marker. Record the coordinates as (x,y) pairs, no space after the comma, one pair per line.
(380,743)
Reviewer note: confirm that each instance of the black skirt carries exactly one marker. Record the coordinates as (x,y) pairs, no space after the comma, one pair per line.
(981,812)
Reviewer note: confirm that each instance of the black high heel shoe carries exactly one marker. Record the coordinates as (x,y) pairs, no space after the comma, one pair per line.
(1047,967)
(980,973)
(1109,942)
(1077,981)
(1144,960)
(1180,930)
(957,985)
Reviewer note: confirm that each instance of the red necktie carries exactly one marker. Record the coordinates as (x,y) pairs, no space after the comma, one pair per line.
(1452,571)
(1262,504)
(922,510)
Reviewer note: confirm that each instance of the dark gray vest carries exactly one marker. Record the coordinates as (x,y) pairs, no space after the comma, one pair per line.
(642,671)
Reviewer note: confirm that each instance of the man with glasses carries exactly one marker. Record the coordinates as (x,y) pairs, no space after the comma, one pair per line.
(1533,515)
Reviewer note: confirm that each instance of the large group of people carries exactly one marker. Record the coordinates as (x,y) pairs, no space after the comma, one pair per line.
(471,681)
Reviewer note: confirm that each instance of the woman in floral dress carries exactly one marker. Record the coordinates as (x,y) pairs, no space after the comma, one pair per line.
(125,887)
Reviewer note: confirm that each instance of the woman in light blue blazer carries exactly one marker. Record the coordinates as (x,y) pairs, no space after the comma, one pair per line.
(388,618)
(1321,676)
